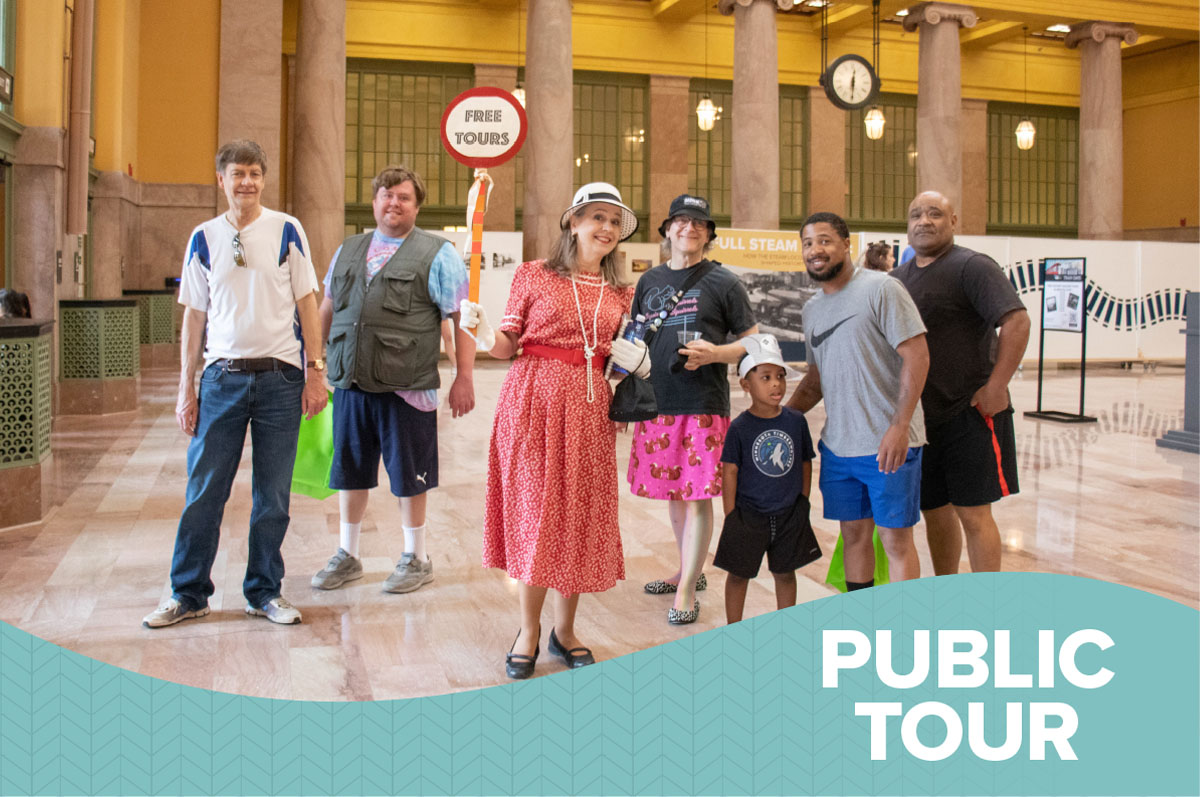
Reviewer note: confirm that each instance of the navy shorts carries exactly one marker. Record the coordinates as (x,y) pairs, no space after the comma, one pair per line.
(971,460)
(369,425)
(854,489)
(786,538)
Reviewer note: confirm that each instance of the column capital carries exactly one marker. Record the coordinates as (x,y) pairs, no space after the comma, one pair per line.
(726,6)
(933,13)
(1098,31)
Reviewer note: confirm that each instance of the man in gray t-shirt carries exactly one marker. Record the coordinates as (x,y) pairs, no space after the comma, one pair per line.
(867,358)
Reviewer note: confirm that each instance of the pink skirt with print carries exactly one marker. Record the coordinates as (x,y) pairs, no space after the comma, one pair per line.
(678,457)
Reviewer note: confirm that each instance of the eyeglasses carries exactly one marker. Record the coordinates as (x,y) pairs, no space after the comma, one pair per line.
(682,222)
(239,254)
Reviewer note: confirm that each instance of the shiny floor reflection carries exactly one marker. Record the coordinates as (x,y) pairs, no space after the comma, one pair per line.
(1100,501)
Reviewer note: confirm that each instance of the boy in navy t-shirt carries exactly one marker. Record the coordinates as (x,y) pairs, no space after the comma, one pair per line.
(766,475)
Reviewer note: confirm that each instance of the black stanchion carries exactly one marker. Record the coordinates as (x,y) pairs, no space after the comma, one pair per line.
(1067,306)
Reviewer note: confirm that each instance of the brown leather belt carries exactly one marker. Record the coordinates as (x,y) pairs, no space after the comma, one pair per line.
(254,364)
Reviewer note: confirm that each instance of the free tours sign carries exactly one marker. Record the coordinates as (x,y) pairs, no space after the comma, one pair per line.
(484,127)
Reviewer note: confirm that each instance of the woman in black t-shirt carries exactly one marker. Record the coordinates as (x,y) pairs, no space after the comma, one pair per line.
(676,457)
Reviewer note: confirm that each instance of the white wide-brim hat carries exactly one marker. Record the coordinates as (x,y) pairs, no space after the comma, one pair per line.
(609,195)
(762,349)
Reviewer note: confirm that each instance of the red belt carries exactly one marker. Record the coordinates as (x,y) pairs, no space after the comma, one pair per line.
(570,356)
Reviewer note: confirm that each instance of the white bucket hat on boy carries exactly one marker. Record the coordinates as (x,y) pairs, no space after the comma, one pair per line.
(609,195)
(762,349)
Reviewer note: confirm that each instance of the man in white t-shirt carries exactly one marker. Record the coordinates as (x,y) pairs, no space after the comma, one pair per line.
(249,288)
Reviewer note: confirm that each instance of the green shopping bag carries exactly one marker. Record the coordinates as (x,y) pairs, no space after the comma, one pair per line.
(837,570)
(314,454)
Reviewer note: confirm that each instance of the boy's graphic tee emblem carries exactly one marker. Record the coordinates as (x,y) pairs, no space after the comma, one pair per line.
(773,453)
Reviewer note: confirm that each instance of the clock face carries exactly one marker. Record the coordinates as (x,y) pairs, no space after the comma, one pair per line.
(850,82)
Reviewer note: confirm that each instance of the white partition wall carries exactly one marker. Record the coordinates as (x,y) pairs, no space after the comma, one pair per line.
(1133,295)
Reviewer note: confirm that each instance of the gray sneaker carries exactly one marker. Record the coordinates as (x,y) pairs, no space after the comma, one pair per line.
(342,567)
(409,574)
(171,613)
(277,610)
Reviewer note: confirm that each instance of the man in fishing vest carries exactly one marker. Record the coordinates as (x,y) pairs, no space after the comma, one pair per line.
(386,293)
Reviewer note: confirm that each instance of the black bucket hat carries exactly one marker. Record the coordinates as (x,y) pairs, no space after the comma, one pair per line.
(695,207)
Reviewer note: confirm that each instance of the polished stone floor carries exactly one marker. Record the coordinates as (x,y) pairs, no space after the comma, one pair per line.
(1100,501)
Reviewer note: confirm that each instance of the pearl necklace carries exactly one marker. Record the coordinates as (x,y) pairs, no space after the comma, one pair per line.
(589,349)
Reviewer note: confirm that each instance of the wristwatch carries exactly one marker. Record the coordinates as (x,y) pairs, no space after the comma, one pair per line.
(317,364)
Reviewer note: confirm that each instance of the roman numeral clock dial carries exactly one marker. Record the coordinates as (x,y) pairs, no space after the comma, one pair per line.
(850,82)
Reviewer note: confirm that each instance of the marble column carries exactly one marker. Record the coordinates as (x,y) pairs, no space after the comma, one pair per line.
(972,211)
(827,138)
(671,114)
(755,161)
(250,83)
(1101,171)
(39,194)
(116,234)
(502,204)
(319,182)
(549,148)
(939,96)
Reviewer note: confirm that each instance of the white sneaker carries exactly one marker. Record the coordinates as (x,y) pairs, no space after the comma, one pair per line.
(277,610)
(171,613)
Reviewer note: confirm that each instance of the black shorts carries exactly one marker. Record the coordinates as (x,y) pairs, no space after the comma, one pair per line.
(368,425)
(970,460)
(786,538)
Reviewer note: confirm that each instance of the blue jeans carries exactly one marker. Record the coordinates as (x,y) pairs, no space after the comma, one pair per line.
(269,403)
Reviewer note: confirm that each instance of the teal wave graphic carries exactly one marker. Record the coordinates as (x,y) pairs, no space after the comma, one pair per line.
(741,709)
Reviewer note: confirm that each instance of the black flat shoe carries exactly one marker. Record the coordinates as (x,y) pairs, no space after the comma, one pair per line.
(575,657)
(519,666)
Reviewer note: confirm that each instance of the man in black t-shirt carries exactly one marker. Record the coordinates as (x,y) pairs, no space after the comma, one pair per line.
(970,460)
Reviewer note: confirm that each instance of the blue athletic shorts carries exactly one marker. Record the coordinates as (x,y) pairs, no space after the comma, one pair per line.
(369,425)
(852,488)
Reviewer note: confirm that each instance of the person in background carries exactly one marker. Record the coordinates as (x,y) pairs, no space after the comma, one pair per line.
(879,256)
(14,304)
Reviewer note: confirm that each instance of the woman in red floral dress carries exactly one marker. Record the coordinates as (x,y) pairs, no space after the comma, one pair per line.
(551,507)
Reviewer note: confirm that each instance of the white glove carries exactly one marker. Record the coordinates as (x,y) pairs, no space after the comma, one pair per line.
(632,355)
(473,321)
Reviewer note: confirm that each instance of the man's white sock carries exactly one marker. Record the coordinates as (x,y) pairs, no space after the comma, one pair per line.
(348,540)
(414,542)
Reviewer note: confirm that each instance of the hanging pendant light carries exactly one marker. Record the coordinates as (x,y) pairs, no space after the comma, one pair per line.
(1026,132)
(874,121)
(706,114)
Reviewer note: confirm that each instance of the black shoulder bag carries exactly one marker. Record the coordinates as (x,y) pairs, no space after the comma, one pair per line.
(633,399)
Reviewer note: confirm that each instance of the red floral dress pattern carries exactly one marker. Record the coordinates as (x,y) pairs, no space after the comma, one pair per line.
(550,517)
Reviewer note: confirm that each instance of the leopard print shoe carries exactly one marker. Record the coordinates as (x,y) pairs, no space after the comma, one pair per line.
(667,588)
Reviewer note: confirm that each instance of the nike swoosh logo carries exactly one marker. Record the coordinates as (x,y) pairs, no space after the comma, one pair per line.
(817,340)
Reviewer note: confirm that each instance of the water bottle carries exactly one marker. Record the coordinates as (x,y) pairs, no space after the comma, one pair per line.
(630,330)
